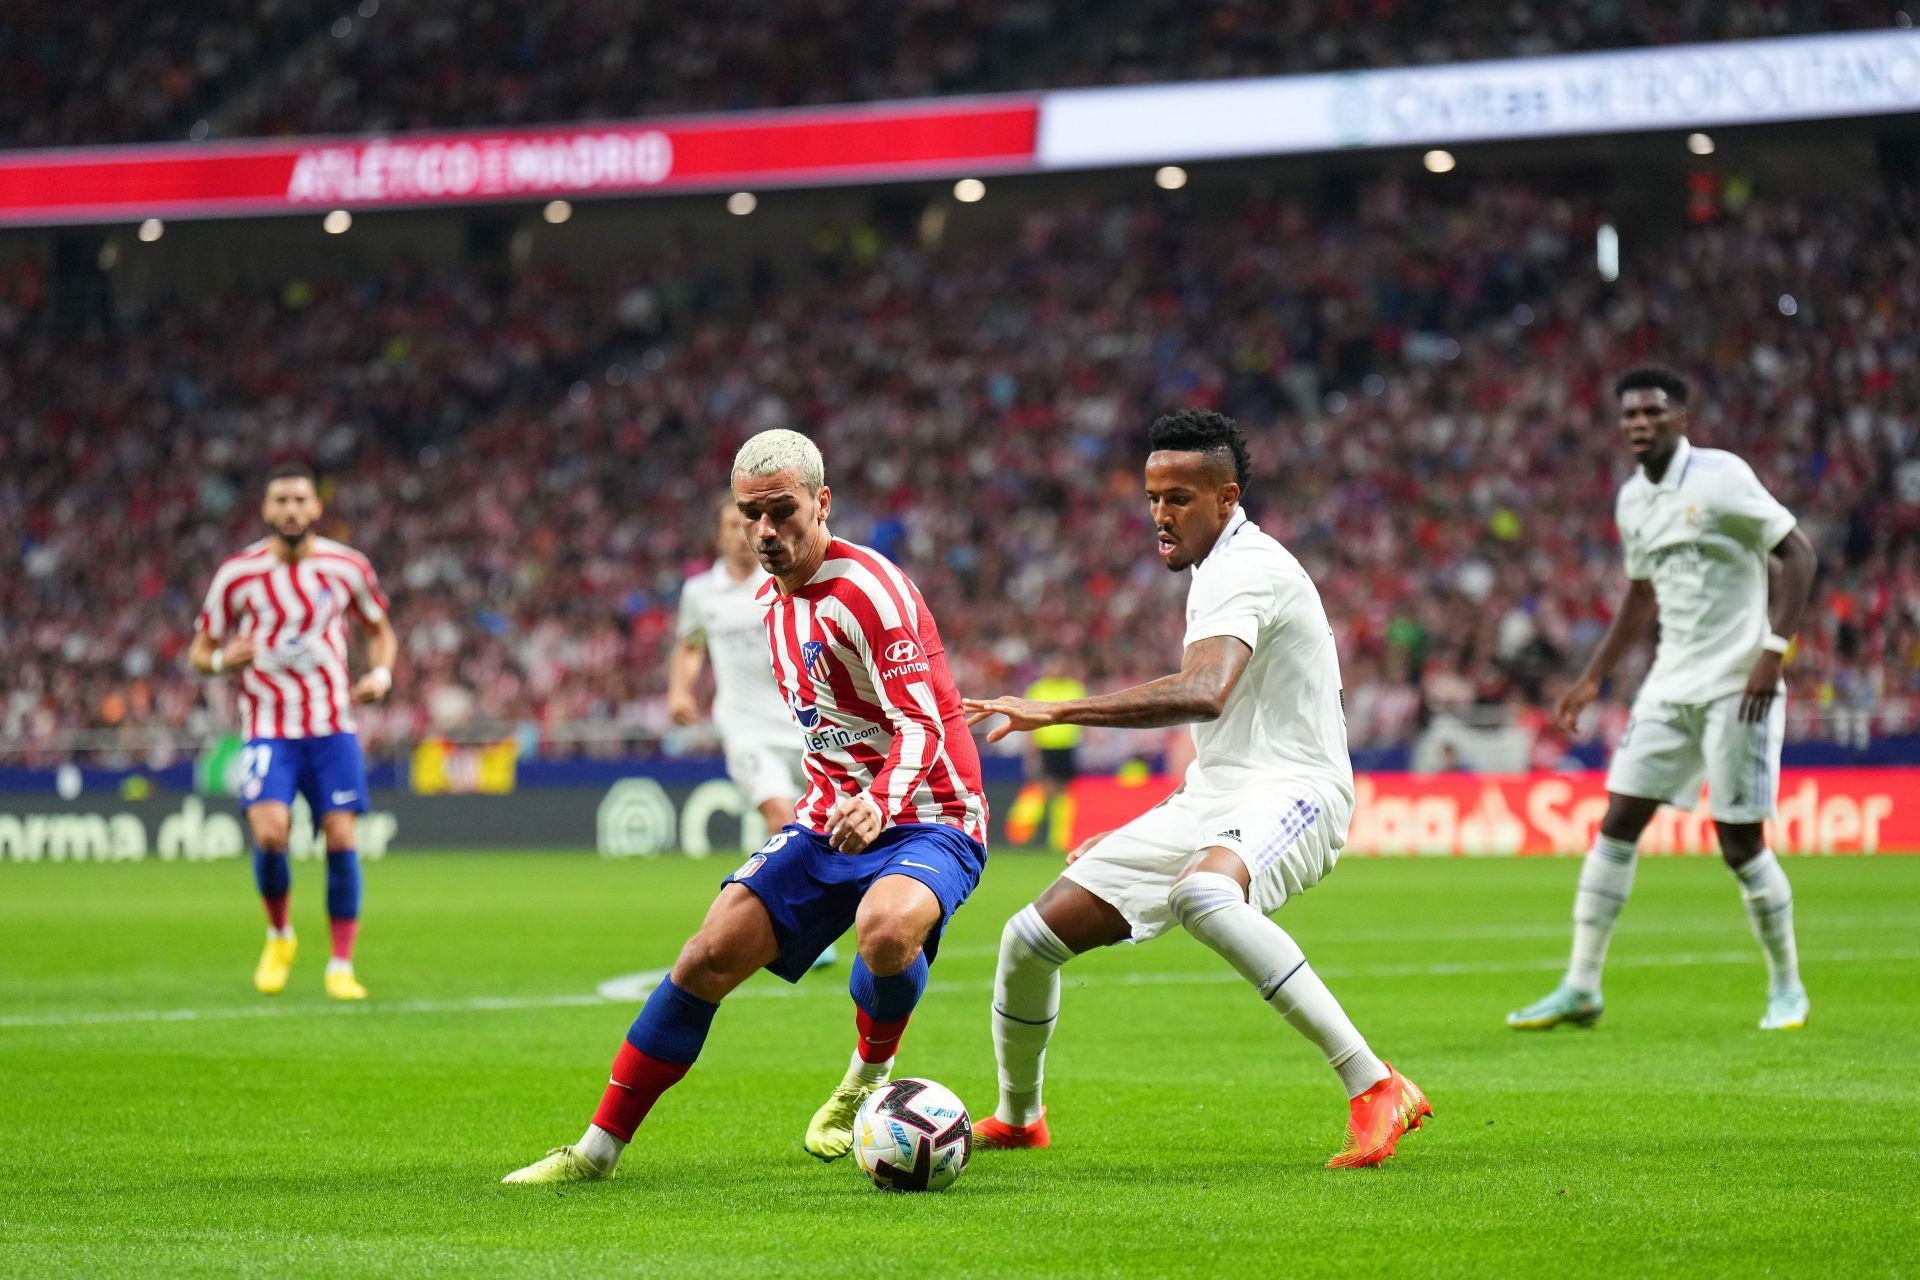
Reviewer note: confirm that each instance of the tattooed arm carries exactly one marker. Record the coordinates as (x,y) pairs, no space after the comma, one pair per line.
(1197,692)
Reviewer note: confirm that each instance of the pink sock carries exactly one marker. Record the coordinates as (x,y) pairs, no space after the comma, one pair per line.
(344,933)
(277,910)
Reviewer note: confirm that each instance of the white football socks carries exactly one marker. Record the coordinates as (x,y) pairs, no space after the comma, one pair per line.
(600,1147)
(1606,878)
(870,1074)
(1026,1001)
(1213,908)
(1769,899)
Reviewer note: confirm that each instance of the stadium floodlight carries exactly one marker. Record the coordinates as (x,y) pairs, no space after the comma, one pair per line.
(1438,161)
(1700,144)
(742,203)
(152,229)
(1170,177)
(337,222)
(969,191)
(557,211)
(1606,246)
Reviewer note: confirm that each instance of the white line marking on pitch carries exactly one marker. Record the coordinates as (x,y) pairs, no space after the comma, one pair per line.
(634,987)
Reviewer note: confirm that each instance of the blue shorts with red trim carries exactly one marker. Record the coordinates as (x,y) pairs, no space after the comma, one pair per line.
(327,770)
(812,892)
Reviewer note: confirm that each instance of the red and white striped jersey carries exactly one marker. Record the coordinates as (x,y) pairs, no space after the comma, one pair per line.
(859,660)
(296,613)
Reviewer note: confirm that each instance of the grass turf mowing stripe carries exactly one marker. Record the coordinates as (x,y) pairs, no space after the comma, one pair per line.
(508,1004)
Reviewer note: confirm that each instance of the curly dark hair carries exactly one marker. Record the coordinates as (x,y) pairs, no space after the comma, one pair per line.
(1652,377)
(1203,431)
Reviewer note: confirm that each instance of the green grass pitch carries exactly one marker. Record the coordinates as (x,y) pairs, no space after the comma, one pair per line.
(158,1118)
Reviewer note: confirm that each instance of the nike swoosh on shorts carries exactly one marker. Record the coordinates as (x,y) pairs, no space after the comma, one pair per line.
(344,797)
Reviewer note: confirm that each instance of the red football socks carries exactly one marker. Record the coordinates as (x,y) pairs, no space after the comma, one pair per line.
(344,933)
(879,1041)
(277,910)
(637,1083)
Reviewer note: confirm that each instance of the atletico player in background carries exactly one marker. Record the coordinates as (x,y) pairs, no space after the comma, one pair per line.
(275,620)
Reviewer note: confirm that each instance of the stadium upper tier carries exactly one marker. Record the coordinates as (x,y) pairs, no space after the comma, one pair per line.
(531,458)
(117,72)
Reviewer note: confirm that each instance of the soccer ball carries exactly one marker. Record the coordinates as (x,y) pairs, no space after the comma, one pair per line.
(912,1135)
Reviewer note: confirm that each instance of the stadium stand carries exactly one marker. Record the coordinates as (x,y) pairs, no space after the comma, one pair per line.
(530,456)
(241,68)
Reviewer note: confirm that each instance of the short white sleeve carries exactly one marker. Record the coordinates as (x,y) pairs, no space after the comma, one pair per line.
(690,625)
(1639,569)
(1224,602)
(1747,512)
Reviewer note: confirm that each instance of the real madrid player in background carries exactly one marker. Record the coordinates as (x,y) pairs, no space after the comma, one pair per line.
(275,621)
(890,837)
(1697,528)
(1261,816)
(721,615)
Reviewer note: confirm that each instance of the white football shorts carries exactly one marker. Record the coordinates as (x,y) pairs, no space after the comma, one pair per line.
(1288,840)
(764,772)
(1669,748)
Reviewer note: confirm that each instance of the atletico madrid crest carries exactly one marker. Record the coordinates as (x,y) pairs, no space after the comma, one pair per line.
(814,654)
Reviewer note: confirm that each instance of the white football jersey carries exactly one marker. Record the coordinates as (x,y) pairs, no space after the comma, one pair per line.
(1283,721)
(1702,535)
(722,614)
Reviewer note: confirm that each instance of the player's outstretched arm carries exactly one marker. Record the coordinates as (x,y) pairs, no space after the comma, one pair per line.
(1197,692)
(383,648)
(1631,622)
(1784,612)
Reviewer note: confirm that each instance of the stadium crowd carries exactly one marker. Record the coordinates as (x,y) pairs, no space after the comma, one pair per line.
(242,68)
(530,457)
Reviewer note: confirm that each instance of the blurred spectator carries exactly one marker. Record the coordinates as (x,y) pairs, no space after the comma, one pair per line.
(527,458)
(115,72)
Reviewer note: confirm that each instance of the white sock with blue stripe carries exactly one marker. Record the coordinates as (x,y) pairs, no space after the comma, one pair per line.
(1214,909)
(1769,899)
(1606,878)
(1026,1002)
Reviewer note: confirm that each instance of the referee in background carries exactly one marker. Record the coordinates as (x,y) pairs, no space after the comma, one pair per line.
(1052,763)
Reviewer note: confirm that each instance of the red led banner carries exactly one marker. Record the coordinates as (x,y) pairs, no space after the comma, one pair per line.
(106,184)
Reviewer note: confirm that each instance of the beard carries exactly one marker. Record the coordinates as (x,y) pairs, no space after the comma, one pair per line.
(290,539)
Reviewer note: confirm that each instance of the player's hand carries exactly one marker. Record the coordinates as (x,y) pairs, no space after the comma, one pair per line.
(368,688)
(236,654)
(1023,715)
(683,710)
(853,824)
(1080,850)
(1762,682)
(1578,697)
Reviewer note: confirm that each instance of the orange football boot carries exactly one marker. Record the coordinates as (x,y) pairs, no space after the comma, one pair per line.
(1379,1118)
(995,1132)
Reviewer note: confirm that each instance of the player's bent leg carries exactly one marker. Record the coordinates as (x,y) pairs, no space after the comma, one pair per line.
(1606,880)
(270,823)
(889,974)
(1768,898)
(1064,921)
(734,941)
(1210,900)
(343,904)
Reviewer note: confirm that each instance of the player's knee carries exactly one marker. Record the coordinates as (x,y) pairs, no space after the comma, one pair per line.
(708,967)
(1195,897)
(889,944)
(270,832)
